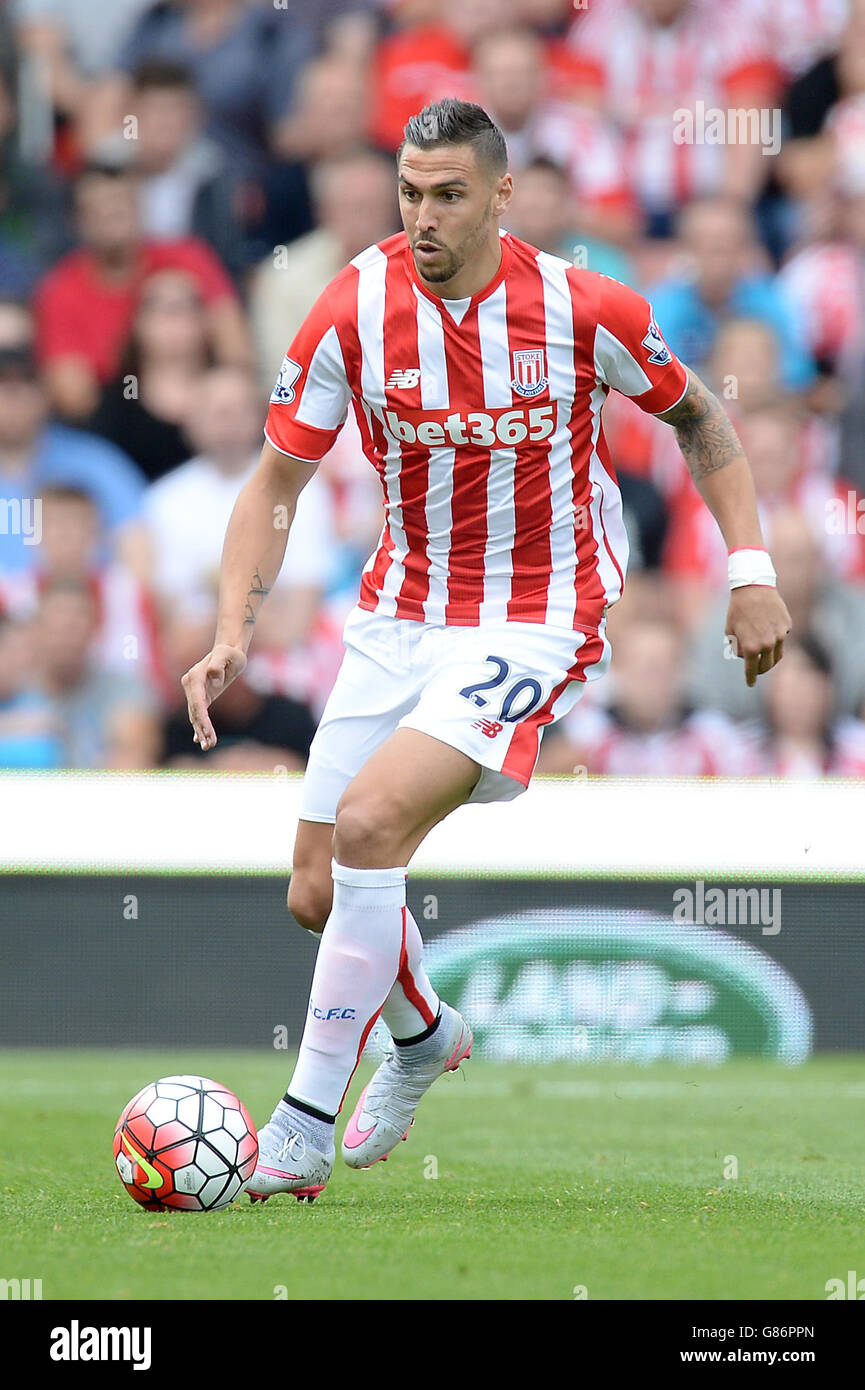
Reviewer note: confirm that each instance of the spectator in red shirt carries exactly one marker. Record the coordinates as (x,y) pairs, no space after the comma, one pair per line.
(85,305)
(644,62)
(428,60)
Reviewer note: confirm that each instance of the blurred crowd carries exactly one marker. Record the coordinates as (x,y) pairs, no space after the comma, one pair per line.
(178,182)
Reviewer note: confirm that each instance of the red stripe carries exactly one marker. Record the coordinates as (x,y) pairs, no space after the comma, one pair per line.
(684,80)
(589,592)
(373,438)
(471,471)
(343,302)
(373,579)
(607,464)
(401,354)
(366,1032)
(533,514)
(522,753)
(406,979)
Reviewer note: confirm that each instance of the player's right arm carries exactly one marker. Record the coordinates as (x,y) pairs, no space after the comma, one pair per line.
(251,560)
(307,410)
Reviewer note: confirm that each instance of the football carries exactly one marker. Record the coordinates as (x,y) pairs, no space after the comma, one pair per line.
(185,1143)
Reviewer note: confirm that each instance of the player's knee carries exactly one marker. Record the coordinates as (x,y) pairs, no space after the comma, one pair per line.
(309,901)
(367,829)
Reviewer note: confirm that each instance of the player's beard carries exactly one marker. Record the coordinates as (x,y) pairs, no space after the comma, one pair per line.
(453,259)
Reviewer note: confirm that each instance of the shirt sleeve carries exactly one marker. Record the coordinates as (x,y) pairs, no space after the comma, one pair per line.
(630,354)
(309,402)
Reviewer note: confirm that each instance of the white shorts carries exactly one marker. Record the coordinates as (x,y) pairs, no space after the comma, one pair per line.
(487,691)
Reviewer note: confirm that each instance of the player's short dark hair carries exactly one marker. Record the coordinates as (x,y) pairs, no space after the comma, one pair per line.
(454,122)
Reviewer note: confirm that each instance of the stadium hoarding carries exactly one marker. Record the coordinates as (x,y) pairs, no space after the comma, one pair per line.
(595,970)
(590,919)
(595,984)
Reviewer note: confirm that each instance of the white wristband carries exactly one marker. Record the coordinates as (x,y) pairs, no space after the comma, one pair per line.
(750,566)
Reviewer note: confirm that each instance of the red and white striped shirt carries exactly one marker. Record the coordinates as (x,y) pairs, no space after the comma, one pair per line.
(644,73)
(482,417)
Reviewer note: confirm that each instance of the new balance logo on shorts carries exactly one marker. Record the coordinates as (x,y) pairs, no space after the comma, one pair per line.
(403,380)
(490,727)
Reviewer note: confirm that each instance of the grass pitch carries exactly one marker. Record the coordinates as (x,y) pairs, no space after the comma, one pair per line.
(516,1183)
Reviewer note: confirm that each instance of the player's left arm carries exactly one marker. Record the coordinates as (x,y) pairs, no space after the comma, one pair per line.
(757,619)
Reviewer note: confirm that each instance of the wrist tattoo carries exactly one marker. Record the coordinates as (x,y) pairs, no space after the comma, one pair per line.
(258,591)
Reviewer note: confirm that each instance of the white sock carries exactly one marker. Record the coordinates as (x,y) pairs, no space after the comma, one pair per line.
(357,963)
(412,1005)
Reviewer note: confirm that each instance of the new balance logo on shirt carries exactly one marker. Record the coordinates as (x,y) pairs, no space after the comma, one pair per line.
(400,380)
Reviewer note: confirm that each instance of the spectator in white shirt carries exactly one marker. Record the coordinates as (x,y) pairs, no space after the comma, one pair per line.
(187,513)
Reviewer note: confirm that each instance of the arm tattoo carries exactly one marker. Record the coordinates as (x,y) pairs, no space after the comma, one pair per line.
(256,590)
(706,436)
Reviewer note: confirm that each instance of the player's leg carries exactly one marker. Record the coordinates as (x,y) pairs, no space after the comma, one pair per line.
(370,943)
(411,783)
(402,791)
(536,680)
(412,1005)
(310,888)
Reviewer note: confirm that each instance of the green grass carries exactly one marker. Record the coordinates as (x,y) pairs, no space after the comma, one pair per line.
(548,1178)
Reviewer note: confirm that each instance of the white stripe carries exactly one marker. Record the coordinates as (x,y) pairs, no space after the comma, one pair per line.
(559,317)
(369,257)
(575,689)
(370,324)
(434,396)
(606,509)
(326,394)
(372,272)
(615,365)
(501,513)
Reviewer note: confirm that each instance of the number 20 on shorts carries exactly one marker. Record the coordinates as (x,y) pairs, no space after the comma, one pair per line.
(514,705)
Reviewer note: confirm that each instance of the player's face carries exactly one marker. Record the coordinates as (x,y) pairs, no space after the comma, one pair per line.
(448,205)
